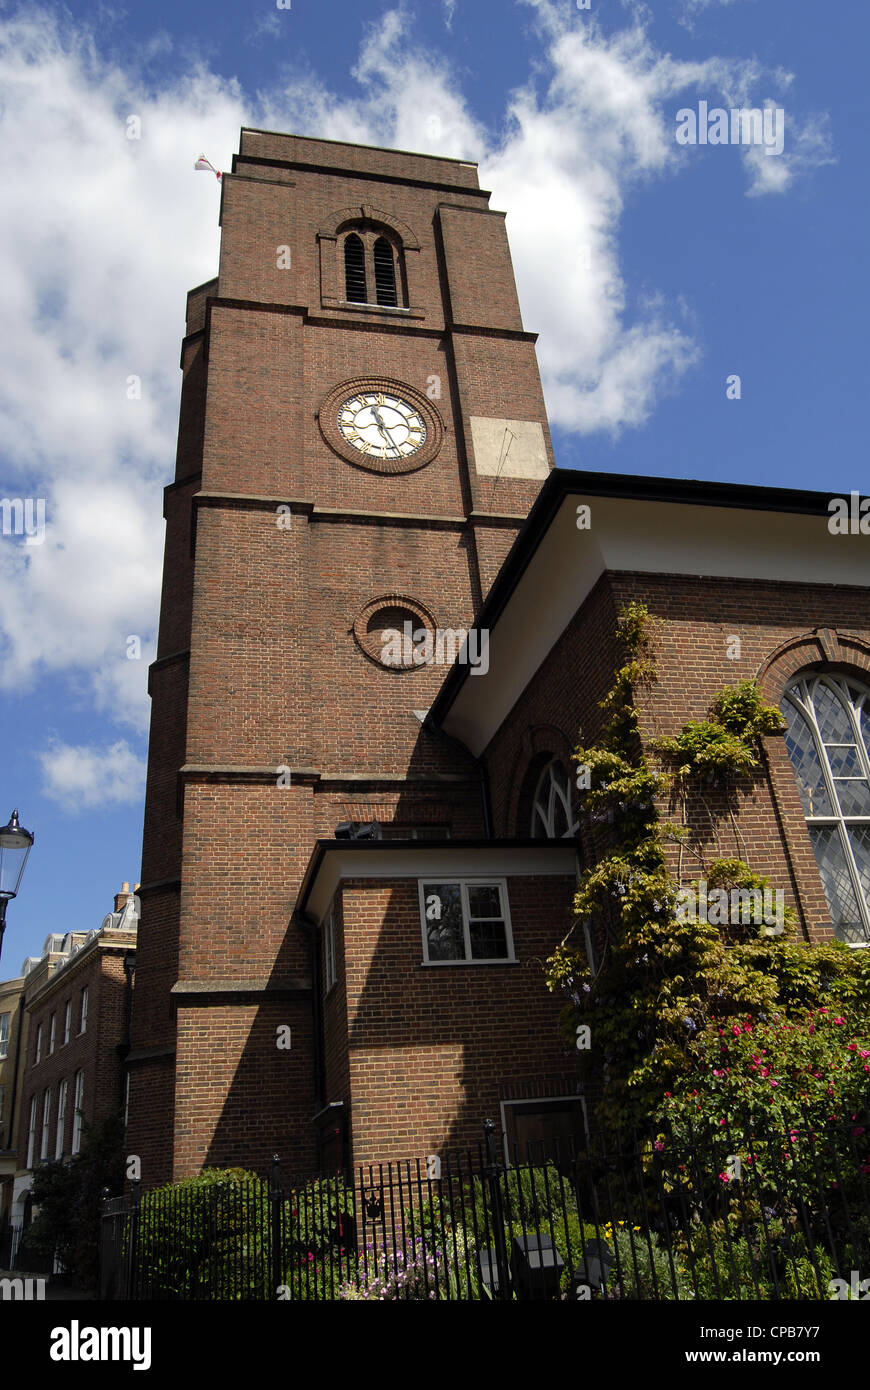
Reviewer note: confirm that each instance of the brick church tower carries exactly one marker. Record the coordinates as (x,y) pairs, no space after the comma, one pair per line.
(362,433)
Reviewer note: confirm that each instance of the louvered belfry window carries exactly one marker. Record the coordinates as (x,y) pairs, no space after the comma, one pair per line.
(355,270)
(372,268)
(385,273)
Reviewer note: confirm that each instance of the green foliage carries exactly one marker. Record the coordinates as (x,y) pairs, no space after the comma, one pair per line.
(724,746)
(69,1195)
(810,1071)
(320,1214)
(193,1234)
(667,976)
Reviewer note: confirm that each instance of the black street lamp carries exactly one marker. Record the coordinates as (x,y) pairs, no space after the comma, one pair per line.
(15,845)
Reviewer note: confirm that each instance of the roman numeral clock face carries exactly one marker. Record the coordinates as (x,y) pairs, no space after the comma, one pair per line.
(382,426)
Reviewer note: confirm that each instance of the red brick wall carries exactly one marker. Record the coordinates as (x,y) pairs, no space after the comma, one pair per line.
(432,1049)
(102,971)
(257,664)
(698,617)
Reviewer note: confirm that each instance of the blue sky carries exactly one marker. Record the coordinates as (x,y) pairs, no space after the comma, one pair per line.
(652,272)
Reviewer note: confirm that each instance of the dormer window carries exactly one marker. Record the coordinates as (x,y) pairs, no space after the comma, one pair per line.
(372,269)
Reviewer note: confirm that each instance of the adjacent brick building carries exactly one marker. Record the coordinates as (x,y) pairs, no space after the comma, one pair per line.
(76,998)
(361,439)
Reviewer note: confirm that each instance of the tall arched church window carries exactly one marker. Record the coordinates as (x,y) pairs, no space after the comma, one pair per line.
(828,742)
(355,270)
(553,815)
(385,273)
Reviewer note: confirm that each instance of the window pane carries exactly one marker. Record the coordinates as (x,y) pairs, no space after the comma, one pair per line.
(859,838)
(560,820)
(865,724)
(854,797)
(833,720)
(837,882)
(804,760)
(484,900)
(443,911)
(844,760)
(488,940)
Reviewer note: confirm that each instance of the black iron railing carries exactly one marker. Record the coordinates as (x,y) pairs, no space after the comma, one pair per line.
(781,1217)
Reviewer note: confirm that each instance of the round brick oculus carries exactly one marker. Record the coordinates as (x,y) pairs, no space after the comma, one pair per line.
(381,425)
(381,630)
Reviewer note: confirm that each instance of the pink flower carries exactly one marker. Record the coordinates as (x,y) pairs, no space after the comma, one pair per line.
(721,1122)
(723,1177)
(839,1020)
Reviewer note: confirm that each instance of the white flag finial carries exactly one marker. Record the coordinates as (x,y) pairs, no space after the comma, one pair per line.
(203,163)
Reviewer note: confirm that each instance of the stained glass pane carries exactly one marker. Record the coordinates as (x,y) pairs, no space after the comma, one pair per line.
(833,720)
(837,881)
(854,797)
(865,724)
(805,761)
(859,837)
(443,908)
(844,760)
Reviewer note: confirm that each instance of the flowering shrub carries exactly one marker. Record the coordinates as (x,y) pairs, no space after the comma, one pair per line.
(794,1073)
(402,1273)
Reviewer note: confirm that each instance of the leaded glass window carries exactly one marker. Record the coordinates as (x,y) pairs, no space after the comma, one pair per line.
(828,742)
(553,816)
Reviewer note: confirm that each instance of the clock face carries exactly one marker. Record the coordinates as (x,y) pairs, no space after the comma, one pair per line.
(381,425)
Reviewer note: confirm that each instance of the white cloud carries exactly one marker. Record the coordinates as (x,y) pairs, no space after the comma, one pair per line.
(807,146)
(102,236)
(80,777)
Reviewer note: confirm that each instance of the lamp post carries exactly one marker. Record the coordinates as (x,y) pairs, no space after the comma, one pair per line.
(15,845)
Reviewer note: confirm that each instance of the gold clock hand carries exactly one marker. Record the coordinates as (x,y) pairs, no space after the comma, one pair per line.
(382,427)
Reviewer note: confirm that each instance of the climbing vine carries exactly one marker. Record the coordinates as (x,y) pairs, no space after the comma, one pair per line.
(668,975)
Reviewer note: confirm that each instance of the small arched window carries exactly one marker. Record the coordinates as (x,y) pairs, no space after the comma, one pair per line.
(553,816)
(373,267)
(355,270)
(828,742)
(385,273)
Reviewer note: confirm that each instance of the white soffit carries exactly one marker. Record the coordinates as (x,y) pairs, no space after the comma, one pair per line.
(450,861)
(651,537)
